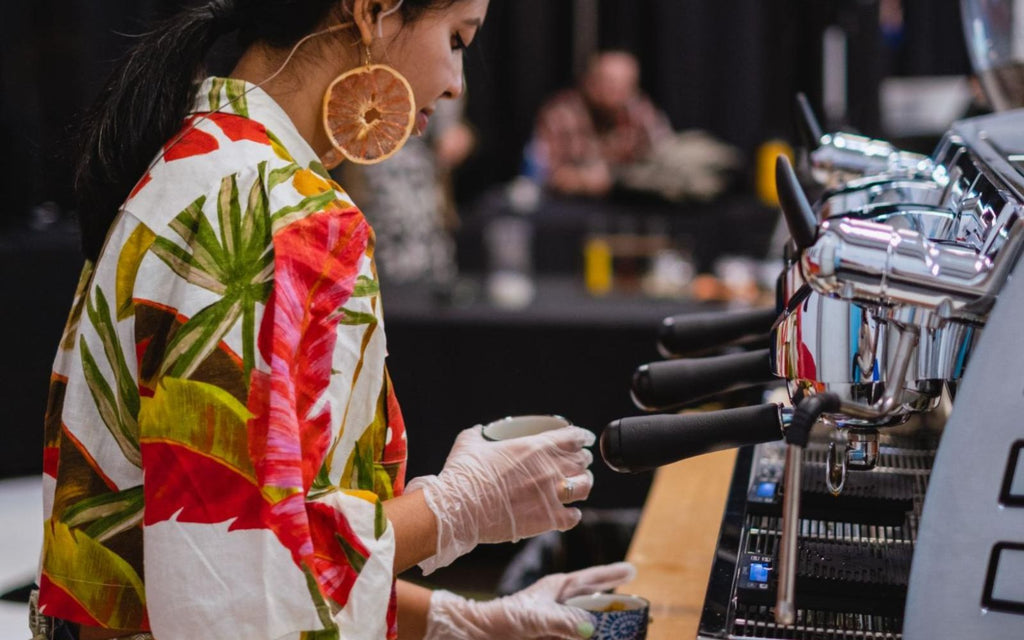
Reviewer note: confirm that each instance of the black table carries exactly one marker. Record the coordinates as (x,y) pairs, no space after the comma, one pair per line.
(734,224)
(567,353)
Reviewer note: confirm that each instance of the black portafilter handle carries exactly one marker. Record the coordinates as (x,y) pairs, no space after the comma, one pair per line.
(696,332)
(671,383)
(796,208)
(632,445)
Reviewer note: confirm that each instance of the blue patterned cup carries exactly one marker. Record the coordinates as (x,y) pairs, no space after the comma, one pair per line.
(618,616)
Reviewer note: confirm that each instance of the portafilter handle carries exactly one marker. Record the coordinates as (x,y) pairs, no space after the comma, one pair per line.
(695,332)
(659,386)
(642,443)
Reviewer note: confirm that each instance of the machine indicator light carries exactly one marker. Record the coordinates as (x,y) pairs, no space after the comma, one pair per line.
(766,490)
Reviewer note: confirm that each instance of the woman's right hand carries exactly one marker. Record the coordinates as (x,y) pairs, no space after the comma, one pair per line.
(506,490)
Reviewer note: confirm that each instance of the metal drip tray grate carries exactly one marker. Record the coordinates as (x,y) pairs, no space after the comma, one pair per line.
(854,551)
(757,622)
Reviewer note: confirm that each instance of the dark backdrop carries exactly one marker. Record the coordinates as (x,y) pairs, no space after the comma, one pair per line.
(731,67)
(728,66)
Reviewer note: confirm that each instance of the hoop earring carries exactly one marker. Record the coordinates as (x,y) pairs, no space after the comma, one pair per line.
(368,114)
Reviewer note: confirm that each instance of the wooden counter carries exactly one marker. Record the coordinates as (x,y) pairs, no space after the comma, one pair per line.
(674,544)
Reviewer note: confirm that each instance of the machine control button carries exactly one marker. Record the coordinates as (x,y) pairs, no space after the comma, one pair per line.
(755,572)
(1004,585)
(1013,482)
(759,572)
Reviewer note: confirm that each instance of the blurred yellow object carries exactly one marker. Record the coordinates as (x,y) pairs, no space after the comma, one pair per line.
(767,154)
(597,266)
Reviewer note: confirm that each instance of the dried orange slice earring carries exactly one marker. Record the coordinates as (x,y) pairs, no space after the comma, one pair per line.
(369,113)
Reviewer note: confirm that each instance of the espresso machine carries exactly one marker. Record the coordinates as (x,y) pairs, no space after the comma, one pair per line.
(885,499)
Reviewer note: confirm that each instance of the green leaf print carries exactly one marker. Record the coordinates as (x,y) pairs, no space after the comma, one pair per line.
(321,485)
(287,215)
(380,521)
(282,175)
(109,513)
(236,97)
(365,287)
(233,99)
(356,560)
(128,392)
(355,318)
(234,261)
(323,611)
(107,406)
(118,411)
(214,96)
(198,337)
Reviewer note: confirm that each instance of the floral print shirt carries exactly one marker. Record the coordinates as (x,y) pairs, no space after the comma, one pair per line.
(221,429)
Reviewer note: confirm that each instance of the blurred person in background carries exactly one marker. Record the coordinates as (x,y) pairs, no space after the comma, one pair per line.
(606,135)
(408,200)
(224,452)
(585,134)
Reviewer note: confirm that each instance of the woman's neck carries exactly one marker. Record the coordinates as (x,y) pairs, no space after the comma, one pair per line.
(298,89)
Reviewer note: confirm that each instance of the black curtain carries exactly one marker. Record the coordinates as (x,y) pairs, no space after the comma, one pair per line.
(54,56)
(730,67)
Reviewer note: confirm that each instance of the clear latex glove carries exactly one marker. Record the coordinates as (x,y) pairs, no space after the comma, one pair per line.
(534,612)
(507,490)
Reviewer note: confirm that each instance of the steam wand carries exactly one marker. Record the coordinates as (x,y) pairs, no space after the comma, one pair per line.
(797,435)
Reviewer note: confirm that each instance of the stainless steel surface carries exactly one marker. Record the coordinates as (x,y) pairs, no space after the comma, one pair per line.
(887,308)
(785,604)
(842,157)
(835,469)
(878,264)
(995,44)
(923,245)
(861,449)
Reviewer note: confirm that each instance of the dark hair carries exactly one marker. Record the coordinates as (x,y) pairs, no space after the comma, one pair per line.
(151,90)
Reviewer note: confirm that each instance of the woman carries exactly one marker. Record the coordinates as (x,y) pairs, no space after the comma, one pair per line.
(224,452)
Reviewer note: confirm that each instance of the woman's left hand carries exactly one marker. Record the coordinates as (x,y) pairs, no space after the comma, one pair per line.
(534,612)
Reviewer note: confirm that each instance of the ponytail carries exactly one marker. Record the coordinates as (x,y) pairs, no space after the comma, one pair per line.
(143,104)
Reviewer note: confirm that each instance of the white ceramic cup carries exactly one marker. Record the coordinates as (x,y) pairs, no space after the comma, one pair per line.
(619,616)
(519,426)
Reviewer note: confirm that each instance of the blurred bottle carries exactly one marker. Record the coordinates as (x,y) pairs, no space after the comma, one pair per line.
(767,154)
(597,264)
(509,237)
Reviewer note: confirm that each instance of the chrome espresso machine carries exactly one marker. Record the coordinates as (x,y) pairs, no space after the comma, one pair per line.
(886,499)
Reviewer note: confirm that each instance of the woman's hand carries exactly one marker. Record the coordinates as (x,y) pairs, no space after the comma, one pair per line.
(534,612)
(506,490)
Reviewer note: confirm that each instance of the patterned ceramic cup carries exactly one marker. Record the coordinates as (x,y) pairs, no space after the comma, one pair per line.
(519,426)
(619,616)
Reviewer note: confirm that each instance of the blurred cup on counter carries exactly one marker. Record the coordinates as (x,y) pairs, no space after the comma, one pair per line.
(618,616)
(519,426)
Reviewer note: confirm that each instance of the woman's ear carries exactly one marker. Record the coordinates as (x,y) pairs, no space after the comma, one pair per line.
(368,14)
(364,13)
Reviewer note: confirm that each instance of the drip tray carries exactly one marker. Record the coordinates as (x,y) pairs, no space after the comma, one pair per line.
(837,576)
(854,550)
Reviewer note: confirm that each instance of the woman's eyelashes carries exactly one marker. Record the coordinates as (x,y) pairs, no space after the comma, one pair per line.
(458,44)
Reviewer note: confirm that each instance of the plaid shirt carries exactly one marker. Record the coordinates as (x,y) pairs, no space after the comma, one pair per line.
(568,134)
